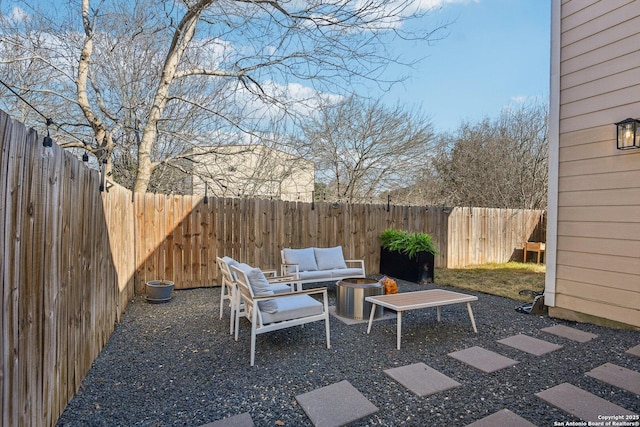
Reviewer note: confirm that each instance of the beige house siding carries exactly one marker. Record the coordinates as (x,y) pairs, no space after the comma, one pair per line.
(597,211)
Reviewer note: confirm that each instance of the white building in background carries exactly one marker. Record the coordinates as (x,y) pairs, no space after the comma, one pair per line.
(252,171)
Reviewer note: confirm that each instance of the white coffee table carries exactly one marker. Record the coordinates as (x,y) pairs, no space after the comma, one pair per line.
(405,301)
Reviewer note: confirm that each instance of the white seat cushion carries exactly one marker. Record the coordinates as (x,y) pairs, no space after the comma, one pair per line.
(293,307)
(346,272)
(329,258)
(320,275)
(305,258)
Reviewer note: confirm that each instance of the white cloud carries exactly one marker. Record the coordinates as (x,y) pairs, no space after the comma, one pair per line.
(303,100)
(430,4)
(17,15)
(519,99)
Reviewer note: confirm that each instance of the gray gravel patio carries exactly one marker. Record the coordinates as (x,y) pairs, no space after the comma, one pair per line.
(175,364)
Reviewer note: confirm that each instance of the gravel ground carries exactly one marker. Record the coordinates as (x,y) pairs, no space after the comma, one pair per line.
(174,364)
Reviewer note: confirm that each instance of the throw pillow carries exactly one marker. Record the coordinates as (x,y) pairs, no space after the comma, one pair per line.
(230,261)
(330,258)
(260,286)
(305,258)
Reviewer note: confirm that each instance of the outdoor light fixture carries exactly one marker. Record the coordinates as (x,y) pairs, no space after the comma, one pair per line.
(47,142)
(628,134)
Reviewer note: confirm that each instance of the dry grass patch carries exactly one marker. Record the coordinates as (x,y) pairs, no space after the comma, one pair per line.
(504,280)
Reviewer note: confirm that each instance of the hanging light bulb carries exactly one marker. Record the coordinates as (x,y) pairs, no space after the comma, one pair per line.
(47,143)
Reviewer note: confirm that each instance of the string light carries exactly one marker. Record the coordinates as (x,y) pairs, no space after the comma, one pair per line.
(47,141)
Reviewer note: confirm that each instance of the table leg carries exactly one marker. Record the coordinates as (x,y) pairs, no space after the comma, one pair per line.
(373,312)
(399,330)
(473,321)
(439,314)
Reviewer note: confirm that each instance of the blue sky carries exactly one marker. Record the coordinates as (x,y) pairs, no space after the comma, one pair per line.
(496,55)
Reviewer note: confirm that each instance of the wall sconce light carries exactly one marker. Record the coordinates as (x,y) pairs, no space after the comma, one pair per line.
(628,134)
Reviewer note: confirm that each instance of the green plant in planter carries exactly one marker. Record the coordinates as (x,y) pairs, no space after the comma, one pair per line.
(407,243)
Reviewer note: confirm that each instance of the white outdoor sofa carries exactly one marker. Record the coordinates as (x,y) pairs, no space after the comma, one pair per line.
(311,265)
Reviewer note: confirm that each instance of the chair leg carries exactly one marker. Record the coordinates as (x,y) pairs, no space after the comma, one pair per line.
(234,308)
(327,332)
(222,298)
(253,336)
(237,319)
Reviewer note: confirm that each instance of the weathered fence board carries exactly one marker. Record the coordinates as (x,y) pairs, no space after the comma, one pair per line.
(72,257)
(61,290)
(176,233)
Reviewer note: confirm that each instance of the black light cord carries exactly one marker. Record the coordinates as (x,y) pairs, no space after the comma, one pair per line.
(48,120)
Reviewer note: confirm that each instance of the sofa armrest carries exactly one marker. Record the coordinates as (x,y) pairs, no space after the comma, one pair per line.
(356,261)
(313,291)
(281,279)
(289,269)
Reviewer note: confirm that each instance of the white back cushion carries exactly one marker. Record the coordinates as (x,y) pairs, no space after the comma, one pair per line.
(305,258)
(330,258)
(260,286)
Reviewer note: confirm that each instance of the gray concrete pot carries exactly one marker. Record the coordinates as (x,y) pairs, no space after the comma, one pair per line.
(159,290)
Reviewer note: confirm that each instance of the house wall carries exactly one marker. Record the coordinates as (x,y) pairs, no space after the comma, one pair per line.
(595,82)
(254,171)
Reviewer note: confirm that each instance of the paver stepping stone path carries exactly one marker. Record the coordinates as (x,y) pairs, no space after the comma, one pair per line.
(241,420)
(617,376)
(421,379)
(335,405)
(529,344)
(634,350)
(580,403)
(570,333)
(502,418)
(483,359)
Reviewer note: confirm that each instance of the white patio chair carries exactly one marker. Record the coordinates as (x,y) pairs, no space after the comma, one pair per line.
(278,284)
(268,311)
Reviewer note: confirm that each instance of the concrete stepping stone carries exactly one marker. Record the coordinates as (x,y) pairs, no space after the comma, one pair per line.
(617,376)
(502,418)
(483,359)
(241,420)
(581,403)
(529,344)
(634,350)
(570,333)
(421,379)
(335,405)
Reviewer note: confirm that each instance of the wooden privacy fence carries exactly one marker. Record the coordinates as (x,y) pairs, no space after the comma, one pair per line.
(72,256)
(178,237)
(63,284)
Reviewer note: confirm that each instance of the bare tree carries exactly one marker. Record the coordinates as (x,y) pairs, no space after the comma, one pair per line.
(145,81)
(363,149)
(498,162)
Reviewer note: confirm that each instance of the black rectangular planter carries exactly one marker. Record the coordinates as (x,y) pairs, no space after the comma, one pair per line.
(399,266)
